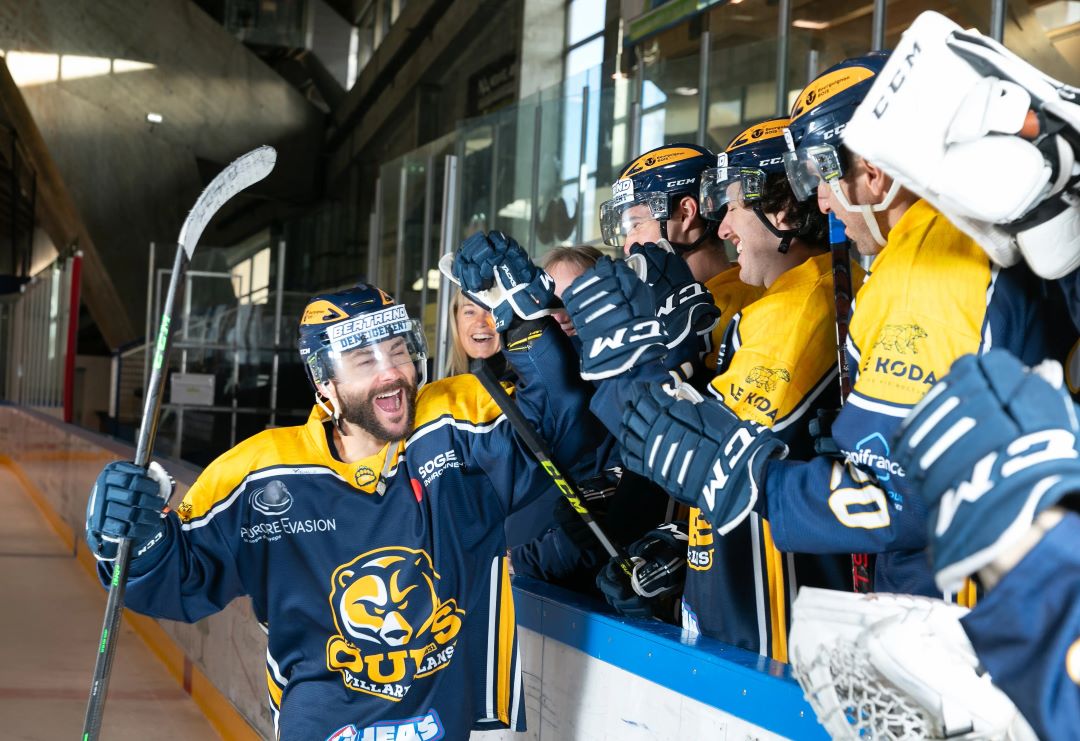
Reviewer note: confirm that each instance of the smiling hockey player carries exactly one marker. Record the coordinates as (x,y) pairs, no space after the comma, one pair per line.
(369,538)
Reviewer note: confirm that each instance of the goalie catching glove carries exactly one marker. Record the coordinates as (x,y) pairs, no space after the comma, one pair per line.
(990,447)
(659,559)
(698,451)
(612,310)
(494,271)
(127,502)
(887,666)
(988,139)
(683,305)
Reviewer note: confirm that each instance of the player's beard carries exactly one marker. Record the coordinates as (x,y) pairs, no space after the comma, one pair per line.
(363,414)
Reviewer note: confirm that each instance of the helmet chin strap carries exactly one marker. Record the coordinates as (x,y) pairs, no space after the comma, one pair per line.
(868,211)
(334,415)
(682,249)
(784,235)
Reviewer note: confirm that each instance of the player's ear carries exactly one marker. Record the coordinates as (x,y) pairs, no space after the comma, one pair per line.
(688,209)
(877,181)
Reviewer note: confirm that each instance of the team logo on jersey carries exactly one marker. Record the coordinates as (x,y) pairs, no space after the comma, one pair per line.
(364,476)
(767,379)
(271,500)
(427,727)
(184,511)
(393,628)
(699,553)
(901,338)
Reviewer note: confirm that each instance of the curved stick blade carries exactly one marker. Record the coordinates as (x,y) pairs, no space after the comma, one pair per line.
(245,170)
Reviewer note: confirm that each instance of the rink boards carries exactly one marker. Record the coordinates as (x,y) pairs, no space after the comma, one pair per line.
(587,674)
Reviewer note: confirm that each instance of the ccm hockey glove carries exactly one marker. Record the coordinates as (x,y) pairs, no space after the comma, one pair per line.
(613,312)
(991,446)
(698,451)
(495,271)
(684,306)
(659,573)
(127,502)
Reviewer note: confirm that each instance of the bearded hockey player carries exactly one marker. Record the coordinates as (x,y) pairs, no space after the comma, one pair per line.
(369,538)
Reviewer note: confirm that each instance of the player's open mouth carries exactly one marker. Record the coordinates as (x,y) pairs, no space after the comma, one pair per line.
(390,401)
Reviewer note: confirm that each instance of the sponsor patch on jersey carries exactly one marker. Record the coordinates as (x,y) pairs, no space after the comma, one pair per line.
(427,727)
(271,500)
(433,469)
(901,338)
(872,452)
(392,627)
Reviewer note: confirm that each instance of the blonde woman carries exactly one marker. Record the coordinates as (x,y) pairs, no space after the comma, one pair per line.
(472,333)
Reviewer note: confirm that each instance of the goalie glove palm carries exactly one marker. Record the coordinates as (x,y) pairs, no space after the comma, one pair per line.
(612,311)
(683,305)
(991,446)
(698,451)
(494,270)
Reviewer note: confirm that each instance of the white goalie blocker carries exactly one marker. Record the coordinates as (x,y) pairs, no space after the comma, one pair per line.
(982,135)
(890,666)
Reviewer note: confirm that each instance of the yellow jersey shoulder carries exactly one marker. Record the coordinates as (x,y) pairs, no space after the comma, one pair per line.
(461,397)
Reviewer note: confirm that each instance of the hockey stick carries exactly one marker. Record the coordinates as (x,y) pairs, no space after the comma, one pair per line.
(536,445)
(840,249)
(244,171)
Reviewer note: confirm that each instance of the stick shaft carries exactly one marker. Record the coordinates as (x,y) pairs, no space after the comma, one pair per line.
(536,445)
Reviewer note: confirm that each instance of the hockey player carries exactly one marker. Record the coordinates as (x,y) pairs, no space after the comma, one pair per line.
(993,451)
(777,366)
(932,296)
(369,538)
(656,198)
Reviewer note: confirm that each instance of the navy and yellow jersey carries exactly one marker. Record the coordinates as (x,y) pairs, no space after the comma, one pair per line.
(730,296)
(777,368)
(1026,632)
(391,609)
(931,296)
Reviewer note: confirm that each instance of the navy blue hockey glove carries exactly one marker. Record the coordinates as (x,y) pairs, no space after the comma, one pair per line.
(684,306)
(127,502)
(659,574)
(612,310)
(496,272)
(698,451)
(991,446)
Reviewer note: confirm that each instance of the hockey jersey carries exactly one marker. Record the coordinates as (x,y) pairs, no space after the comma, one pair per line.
(931,296)
(1026,632)
(777,367)
(730,296)
(381,583)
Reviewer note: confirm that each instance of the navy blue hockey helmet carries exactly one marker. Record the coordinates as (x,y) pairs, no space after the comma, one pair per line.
(818,118)
(360,330)
(657,180)
(741,169)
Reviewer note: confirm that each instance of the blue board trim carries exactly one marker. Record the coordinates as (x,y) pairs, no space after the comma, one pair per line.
(752,687)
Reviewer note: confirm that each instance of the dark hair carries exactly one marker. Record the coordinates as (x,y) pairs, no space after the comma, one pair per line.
(812,226)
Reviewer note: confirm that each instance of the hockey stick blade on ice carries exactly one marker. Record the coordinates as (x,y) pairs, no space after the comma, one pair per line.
(243,172)
(840,249)
(536,445)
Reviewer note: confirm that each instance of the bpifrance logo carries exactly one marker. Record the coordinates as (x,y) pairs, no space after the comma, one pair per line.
(393,628)
(272,499)
(427,727)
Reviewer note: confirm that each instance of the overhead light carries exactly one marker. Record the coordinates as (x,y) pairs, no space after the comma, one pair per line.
(154,118)
(682,90)
(810,25)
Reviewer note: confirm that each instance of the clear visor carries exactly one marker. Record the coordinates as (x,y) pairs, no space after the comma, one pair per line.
(807,167)
(363,354)
(619,218)
(723,185)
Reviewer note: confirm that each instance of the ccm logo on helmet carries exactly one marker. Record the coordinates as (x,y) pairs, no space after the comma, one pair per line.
(677,183)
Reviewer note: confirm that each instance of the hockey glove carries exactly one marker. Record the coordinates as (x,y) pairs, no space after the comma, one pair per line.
(659,573)
(698,451)
(496,272)
(989,447)
(683,305)
(127,502)
(613,312)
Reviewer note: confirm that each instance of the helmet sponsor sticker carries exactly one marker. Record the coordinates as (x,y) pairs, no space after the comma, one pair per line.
(826,86)
(321,312)
(759,133)
(622,191)
(368,328)
(660,158)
